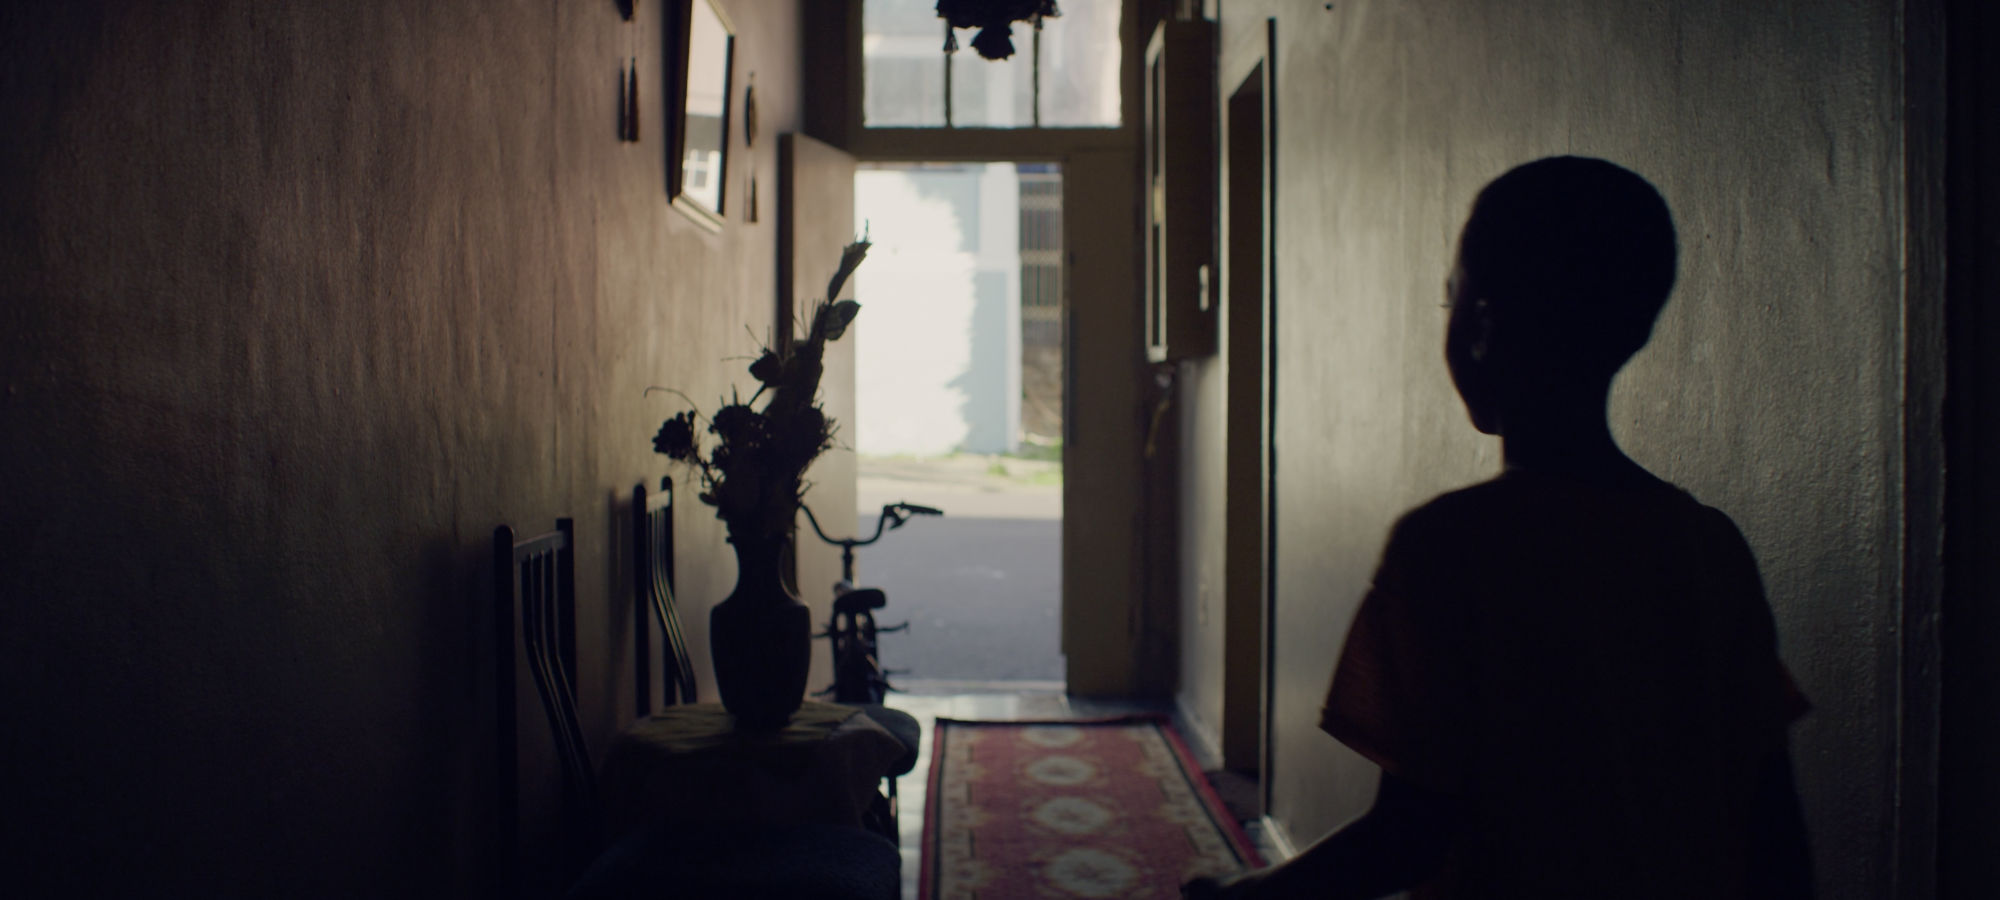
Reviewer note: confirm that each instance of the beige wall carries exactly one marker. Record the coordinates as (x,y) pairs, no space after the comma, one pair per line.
(1772,386)
(300,301)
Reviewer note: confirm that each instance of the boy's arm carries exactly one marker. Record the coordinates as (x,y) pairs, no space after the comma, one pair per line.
(1401,841)
(1780,858)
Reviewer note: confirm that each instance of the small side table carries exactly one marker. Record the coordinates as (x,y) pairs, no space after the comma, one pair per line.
(688,765)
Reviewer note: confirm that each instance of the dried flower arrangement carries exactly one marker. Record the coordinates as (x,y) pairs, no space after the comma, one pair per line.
(754,476)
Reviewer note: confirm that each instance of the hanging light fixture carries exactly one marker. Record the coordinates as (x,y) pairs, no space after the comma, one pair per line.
(995,20)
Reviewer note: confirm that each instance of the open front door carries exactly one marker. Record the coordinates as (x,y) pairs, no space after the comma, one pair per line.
(815,221)
(1104,622)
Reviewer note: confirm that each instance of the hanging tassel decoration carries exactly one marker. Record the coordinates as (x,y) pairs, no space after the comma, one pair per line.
(995,42)
(995,20)
(632,101)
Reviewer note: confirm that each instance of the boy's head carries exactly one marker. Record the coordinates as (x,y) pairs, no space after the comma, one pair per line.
(1563,266)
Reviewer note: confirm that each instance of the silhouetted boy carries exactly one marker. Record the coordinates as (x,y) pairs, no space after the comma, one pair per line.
(1568,674)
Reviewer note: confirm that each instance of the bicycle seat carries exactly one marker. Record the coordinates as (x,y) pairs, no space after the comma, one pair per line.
(860,600)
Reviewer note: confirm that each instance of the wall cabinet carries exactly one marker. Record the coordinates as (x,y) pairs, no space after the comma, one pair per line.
(1180,191)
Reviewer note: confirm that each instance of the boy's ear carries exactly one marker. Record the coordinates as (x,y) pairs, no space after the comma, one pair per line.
(1484,327)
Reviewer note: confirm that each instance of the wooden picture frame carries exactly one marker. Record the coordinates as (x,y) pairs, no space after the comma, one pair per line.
(700,67)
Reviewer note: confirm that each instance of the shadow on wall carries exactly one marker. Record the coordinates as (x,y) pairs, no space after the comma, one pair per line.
(458,650)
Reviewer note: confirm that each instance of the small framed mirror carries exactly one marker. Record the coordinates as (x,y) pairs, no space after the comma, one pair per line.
(698,160)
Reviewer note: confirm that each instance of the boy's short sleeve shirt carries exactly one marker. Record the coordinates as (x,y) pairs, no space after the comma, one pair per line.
(1587,668)
(1401,691)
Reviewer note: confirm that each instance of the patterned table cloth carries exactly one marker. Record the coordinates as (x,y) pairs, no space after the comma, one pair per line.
(688,764)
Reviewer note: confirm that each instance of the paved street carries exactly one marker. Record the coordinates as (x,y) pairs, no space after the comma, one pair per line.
(980,586)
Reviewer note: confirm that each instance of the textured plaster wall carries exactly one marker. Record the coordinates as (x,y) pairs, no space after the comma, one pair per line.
(1771,389)
(298,302)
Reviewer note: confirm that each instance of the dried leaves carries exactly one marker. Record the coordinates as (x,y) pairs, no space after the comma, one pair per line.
(754,475)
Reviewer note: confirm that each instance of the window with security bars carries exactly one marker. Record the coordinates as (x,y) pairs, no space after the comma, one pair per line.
(1064,75)
(1041,301)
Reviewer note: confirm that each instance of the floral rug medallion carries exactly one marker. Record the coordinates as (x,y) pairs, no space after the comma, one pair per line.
(1113,809)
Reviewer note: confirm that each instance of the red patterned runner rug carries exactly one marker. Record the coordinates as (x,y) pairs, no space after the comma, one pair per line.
(1113,808)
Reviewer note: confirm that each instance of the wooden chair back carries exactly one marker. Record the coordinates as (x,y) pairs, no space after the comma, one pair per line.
(653,556)
(535,586)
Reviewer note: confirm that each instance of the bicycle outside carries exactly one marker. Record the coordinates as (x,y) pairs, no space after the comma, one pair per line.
(858,675)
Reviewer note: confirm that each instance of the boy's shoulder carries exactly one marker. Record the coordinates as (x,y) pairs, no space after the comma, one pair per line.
(1521,528)
(1504,489)
(1517,501)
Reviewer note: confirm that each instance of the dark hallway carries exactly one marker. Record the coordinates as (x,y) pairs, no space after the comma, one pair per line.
(299,302)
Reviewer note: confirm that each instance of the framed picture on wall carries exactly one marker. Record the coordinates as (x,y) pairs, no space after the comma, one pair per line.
(698,152)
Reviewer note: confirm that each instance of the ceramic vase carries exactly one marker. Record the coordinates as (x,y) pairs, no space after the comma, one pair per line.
(760,638)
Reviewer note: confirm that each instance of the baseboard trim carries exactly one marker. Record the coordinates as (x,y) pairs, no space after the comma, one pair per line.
(1201,739)
(1278,838)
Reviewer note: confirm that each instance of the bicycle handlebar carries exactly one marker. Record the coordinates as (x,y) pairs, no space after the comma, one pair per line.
(893,516)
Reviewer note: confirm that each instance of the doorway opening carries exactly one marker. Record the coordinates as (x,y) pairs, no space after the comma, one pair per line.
(1250,343)
(960,405)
